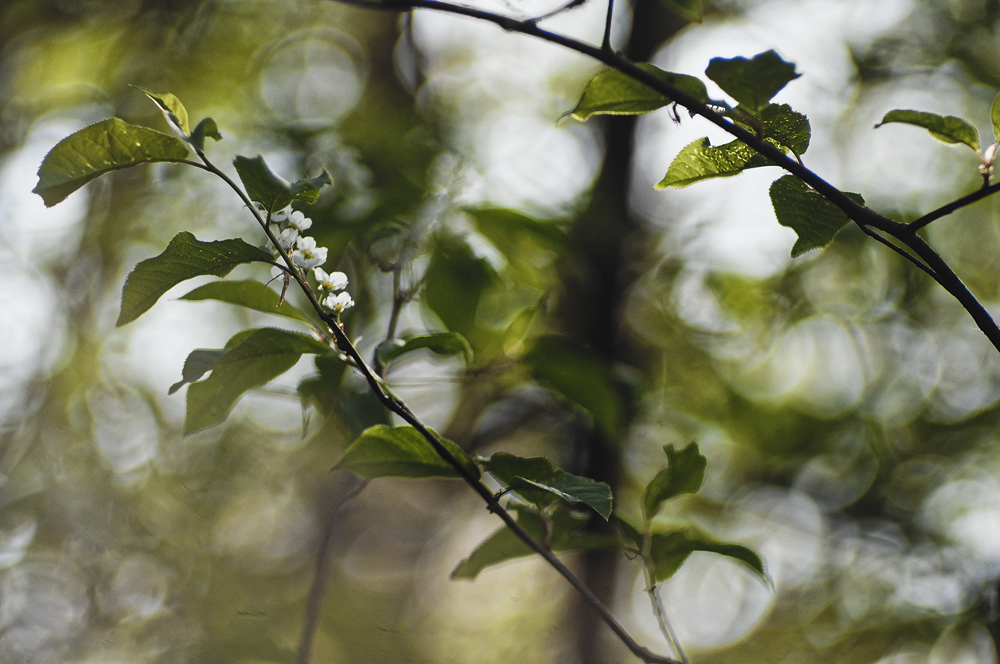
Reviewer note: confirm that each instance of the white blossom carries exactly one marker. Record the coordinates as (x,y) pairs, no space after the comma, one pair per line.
(307,254)
(298,221)
(286,239)
(335,281)
(338,302)
(989,157)
(280,216)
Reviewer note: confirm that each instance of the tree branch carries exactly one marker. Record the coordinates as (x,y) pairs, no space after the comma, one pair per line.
(858,213)
(945,210)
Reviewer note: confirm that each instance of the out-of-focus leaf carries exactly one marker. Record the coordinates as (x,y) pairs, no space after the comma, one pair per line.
(272,191)
(455,281)
(198,363)
(668,551)
(506,229)
(109,145)
(946,128)
(440,343)
(790,130)
(689,9)
(582,376)
(260,356)
(995,117)
(526,475)
(701,161)
(684,474)
(250,294)
(611,92)
(504,545)
(752,82)
(173,110)
(383,451)
(185,257)
(814,219)
(206,128)
(629,532)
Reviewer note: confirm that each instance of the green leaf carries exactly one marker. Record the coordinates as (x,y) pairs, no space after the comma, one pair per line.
(946,128)
(273,191)
(185,257)
(668,551)
(107,146)
(251,294)
(815,219)
(382,451)
(752,82)
(629,533)
(995,117)
(537,481)
(684,474)
(582,376)
(559,534)
(260,356)
(440,343)
(689,9)
(205,128)
(611,92)
(790,130)
(173,110)
(198,363)
(700,161)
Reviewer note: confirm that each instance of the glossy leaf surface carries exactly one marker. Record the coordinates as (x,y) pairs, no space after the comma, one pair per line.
(611,92)
(109,145)
(701,161)
(946,128)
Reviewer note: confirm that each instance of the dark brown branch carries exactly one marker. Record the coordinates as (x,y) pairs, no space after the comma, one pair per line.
(945,210)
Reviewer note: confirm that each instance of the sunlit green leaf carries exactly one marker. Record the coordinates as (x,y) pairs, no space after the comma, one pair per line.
(383,451)
(689,9)
(946,128)
(185,257)
(752,82)
(813,218)
(560,535)
(790,130)
(251,294)
(173,110)
(684,473)
(273,191)
(582,376)
(440,343)
(995,117)
(701,161)
(206,128)
(613,93)
(107,146)
(260,356)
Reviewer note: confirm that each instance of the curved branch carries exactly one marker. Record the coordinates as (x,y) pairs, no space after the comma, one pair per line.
(945,210)
(859,214)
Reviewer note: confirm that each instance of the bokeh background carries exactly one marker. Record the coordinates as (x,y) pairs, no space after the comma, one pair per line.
(848,407)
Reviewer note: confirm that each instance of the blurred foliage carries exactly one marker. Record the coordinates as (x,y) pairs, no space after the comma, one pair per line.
(847,408)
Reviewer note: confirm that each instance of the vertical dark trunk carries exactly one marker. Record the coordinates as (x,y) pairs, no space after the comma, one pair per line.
(602,231)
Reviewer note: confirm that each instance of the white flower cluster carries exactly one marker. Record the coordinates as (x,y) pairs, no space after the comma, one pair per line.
(306,255)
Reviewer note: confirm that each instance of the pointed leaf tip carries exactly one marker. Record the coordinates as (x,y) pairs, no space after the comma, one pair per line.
(103,147)
(752,82)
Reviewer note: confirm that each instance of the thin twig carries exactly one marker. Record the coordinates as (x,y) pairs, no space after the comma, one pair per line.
(572,4)
(945,210)
(314,603)
(661,618)
(606,42)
